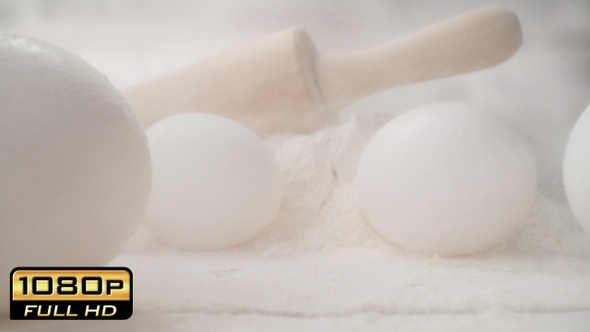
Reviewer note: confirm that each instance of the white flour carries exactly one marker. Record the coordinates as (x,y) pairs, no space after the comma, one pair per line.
(320,211)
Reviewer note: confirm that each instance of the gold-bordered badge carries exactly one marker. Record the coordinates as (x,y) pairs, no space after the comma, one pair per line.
(71,293)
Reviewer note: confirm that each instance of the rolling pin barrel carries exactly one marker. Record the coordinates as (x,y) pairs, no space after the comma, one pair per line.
(281,84)
(265,85)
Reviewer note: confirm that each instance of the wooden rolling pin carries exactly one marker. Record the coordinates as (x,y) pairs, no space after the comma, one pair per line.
(281,84)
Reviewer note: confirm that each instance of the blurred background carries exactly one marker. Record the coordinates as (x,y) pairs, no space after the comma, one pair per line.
(541,91)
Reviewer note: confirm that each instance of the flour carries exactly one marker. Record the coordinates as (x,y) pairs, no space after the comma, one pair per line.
(550,229)
(320,212)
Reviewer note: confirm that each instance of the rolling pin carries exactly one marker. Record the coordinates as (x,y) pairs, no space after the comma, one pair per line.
(281,84)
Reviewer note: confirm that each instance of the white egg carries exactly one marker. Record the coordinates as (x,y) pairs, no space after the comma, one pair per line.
(74,163)
(215,184)
(446,179)
(576,170)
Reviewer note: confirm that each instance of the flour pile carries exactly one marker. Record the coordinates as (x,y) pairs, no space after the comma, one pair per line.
(320,212)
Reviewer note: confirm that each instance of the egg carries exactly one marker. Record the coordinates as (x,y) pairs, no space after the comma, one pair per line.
(447,179)
(215,183)
(74,162)
(576,170)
